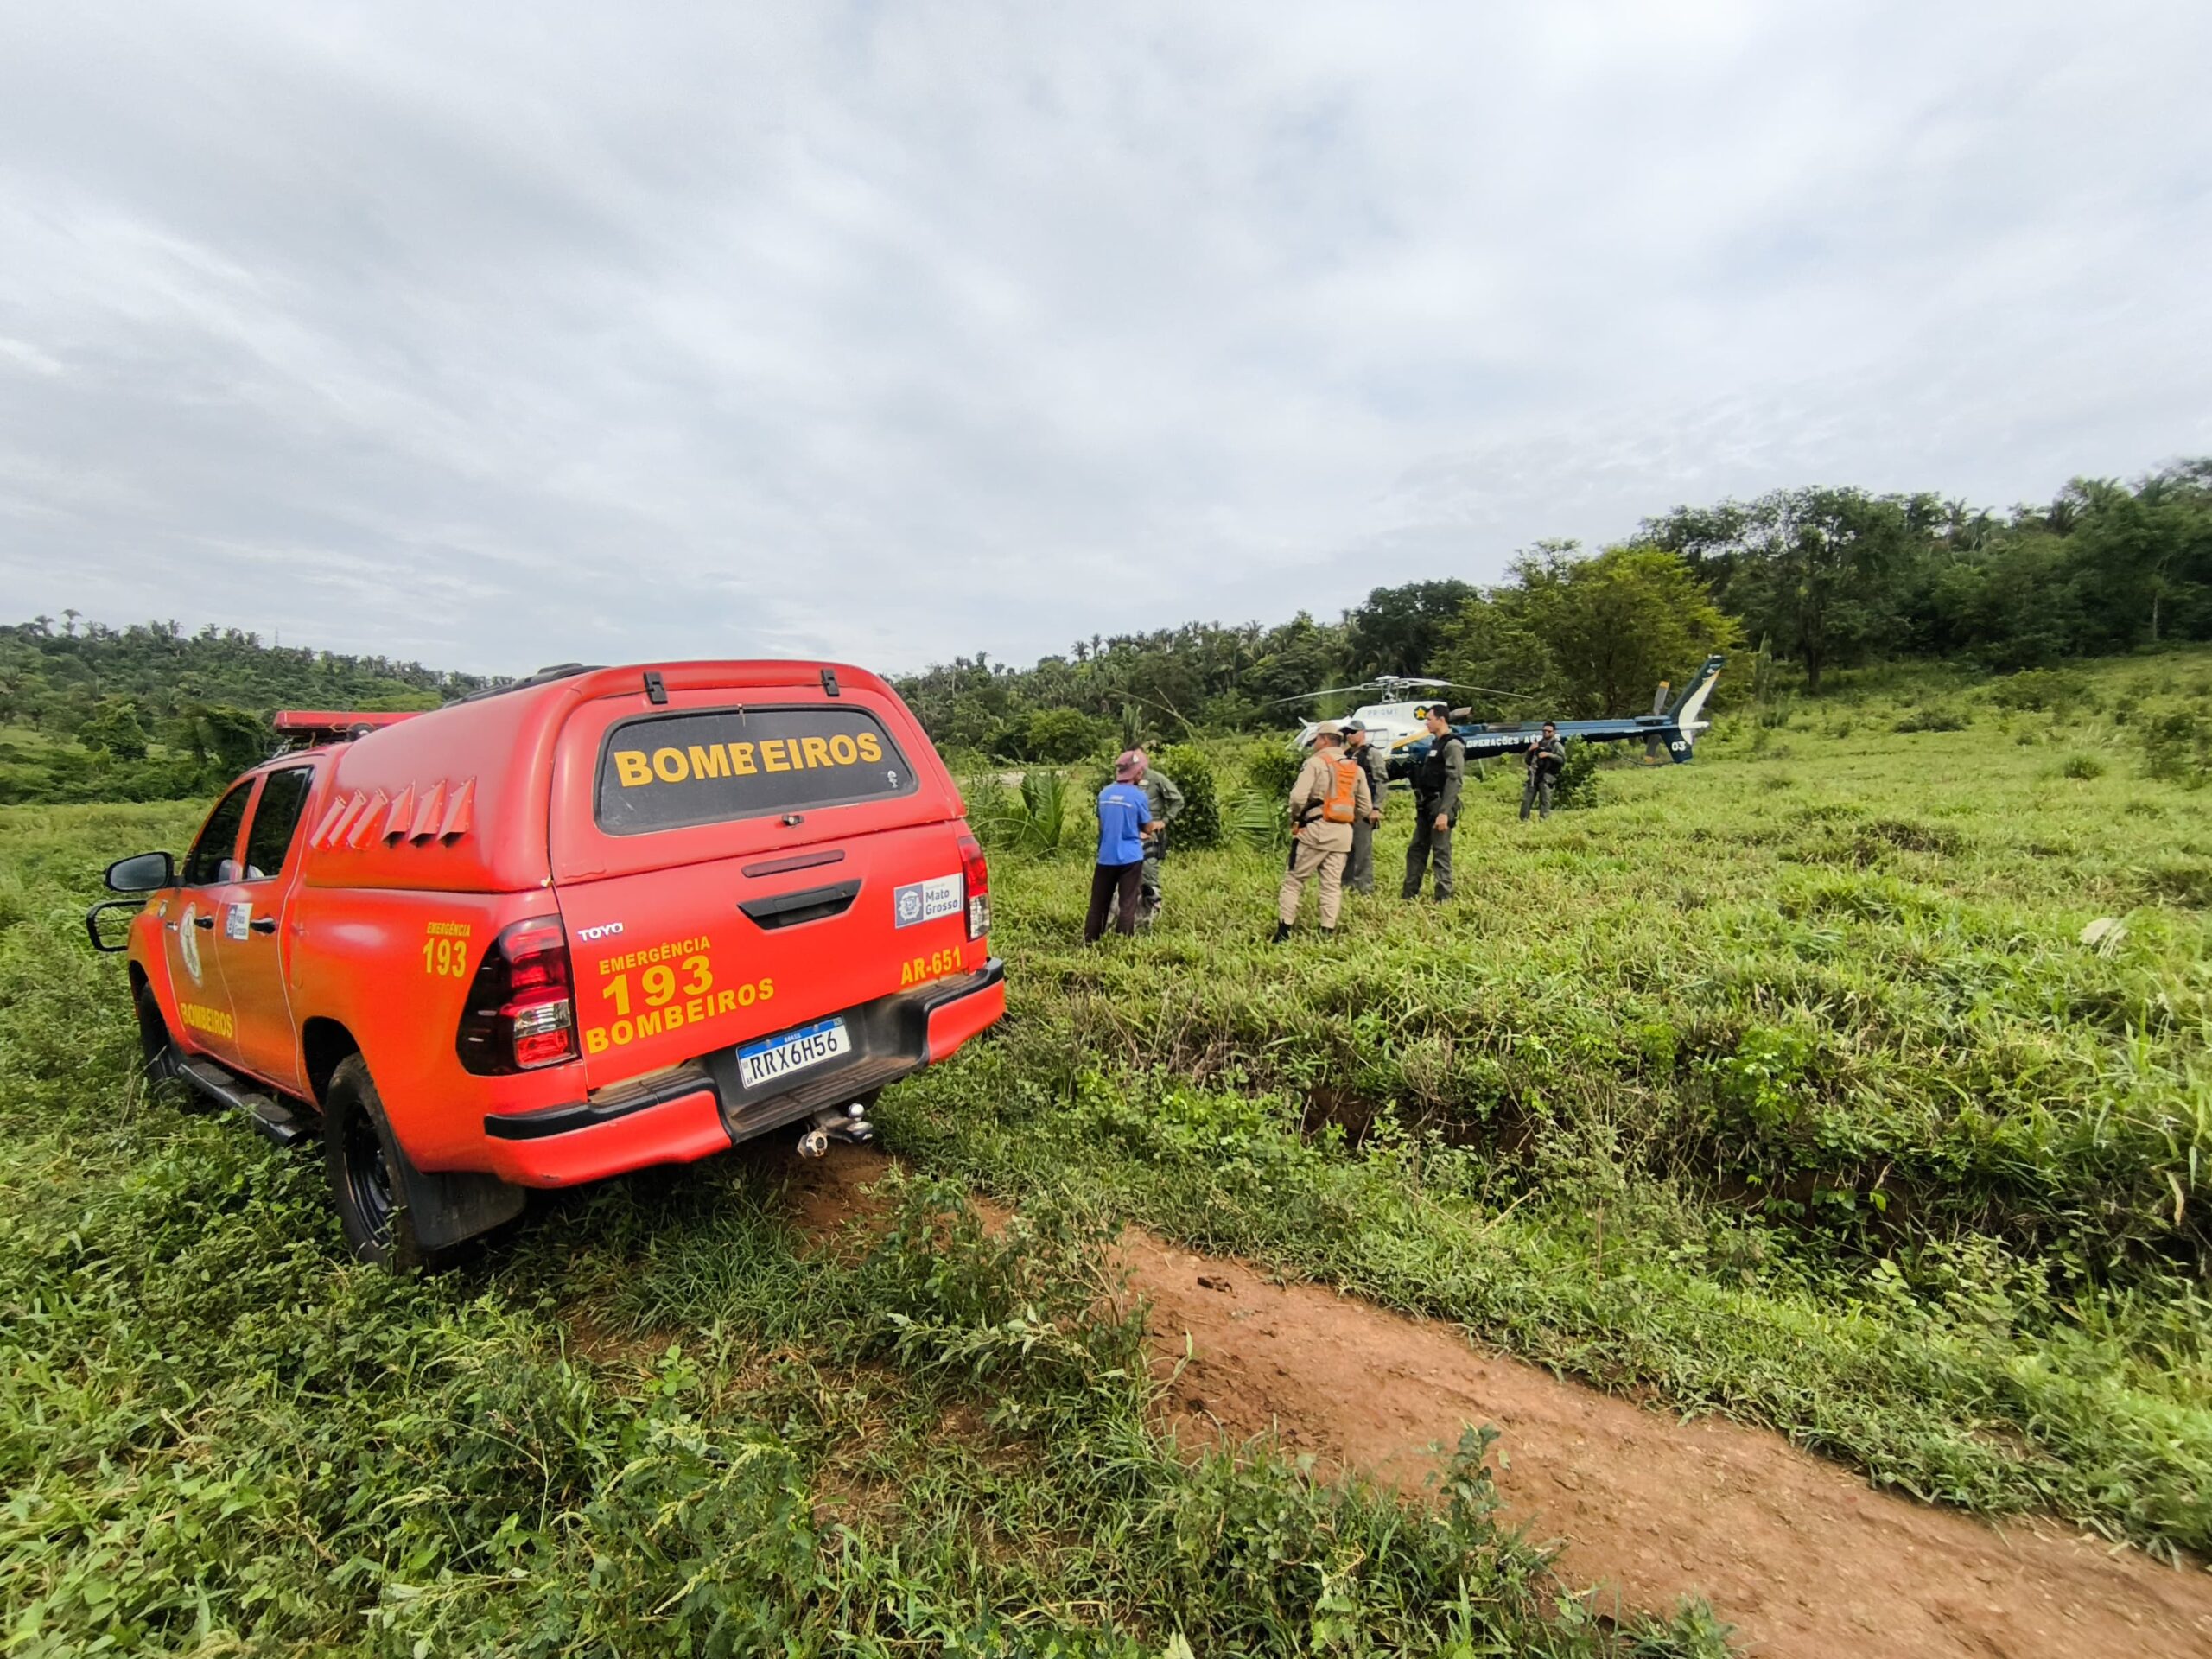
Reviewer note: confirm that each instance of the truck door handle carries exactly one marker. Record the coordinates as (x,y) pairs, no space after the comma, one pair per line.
(203,921)
(263,923)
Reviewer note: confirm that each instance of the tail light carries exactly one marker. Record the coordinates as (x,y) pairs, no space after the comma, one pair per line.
(520,1015)
(978,875)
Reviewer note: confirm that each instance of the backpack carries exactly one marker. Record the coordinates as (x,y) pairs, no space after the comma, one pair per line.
(1342,805)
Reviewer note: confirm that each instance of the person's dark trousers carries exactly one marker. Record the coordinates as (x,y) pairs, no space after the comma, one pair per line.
(1430,846)
(1536,792)
(1106,881)
(1359,873)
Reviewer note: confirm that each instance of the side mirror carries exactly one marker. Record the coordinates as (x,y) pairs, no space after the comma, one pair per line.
(96,924)
(143,874)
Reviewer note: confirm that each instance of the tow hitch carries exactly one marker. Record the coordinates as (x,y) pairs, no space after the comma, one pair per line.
(846,1123)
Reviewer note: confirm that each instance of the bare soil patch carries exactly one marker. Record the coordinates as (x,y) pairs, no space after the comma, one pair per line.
(1800,1554)
(827,1193)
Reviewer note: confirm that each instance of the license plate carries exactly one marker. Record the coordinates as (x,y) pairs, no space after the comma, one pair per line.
(794,1051)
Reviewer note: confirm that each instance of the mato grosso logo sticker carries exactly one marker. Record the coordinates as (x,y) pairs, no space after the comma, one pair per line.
(925,901)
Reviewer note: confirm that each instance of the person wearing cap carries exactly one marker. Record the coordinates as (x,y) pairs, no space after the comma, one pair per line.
(1547,757)
(1166,804)
(1436,805)
(1359,870)
(1124,819)
(1330,796)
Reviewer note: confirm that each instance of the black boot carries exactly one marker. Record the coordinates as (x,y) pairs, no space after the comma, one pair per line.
(1282,933)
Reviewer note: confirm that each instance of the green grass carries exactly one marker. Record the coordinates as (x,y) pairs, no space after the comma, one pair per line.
(653,1420)
(1783,1084)
(1787,1084)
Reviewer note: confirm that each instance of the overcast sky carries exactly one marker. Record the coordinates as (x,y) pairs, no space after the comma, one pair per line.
(503,333)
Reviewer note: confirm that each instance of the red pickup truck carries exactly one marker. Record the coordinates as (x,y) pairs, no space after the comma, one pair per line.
(603,919)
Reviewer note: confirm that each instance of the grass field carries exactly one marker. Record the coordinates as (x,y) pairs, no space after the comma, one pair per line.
(1783,1085)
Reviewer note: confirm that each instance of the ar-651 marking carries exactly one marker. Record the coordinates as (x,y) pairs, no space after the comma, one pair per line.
(936,965)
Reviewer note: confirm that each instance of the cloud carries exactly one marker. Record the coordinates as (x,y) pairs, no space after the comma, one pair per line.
(501,335)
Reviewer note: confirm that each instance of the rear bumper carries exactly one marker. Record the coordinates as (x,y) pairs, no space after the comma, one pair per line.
(704,1107)
(951,1020)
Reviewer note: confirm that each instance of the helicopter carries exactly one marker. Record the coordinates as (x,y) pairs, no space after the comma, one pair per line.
(1668,733)
(1394,722)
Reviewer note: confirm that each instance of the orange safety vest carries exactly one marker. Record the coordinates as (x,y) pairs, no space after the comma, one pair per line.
(1342,805)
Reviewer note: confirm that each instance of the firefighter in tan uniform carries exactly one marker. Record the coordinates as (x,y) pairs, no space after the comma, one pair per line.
(1330,796)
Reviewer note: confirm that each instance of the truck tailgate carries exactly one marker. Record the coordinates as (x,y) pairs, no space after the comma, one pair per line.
(672,965)
(736,861)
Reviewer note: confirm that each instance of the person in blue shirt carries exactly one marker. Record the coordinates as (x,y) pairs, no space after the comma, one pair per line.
(1124,819)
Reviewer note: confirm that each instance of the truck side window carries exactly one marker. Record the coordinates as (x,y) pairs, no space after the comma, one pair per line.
(275,821)
(209,860)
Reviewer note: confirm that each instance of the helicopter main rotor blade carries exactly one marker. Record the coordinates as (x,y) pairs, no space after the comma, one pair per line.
(1400,680)
(1325,691)
(1487,691)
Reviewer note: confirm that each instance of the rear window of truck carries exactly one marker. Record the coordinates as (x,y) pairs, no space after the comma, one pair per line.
(667,771)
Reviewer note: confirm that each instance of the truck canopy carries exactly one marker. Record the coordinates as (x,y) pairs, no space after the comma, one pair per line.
(620,770)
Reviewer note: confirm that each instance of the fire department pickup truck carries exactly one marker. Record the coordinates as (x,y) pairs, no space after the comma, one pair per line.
(599,920)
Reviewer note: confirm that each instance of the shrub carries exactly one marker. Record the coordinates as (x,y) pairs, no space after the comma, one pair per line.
(114,726)
(1255,817)
(1057,737)
(2084,767)
(2177,746)
(1577,786)
(1934,720)
(1271,767)
(2038,688)
(63,772)
(1200,824)
(1039,819)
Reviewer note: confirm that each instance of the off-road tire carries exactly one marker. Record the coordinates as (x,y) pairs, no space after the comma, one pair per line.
(363,1162)
(159,1057)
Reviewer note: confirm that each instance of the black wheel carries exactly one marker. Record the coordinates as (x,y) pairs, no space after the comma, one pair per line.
(364,1161)
(158,1056)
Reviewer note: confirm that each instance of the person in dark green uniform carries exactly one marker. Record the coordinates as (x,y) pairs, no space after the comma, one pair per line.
(1436,806)
(1545,757)
(1359,874)
(1166,806)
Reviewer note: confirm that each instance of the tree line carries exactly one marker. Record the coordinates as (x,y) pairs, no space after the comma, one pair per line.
(1824,578)
(151,712)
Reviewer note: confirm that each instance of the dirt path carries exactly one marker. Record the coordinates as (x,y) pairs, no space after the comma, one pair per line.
(1802,1556)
